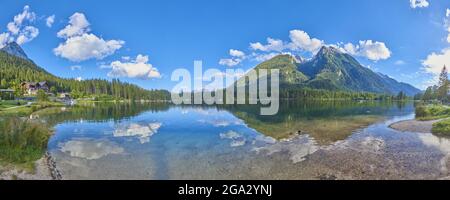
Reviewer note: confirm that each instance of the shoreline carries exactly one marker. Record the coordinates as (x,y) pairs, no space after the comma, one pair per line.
(44,169)
(414,125)
(51,165)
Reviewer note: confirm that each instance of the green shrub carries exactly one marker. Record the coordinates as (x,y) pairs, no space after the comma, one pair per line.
(42,96)
(421,111)
(431,112)
(441,128)
(22,141)
(34,108)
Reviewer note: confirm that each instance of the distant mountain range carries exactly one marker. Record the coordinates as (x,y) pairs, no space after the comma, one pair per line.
(330,69)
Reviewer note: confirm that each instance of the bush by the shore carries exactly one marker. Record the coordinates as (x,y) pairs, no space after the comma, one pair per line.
(442,128)
(432,112)
(22,142)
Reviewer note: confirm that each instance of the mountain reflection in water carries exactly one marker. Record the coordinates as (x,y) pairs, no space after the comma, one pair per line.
(305,140)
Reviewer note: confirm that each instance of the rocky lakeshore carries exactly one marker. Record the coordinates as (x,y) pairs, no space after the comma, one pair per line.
(45,169)
(51,164)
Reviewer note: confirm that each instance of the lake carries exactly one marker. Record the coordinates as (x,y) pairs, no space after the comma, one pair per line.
(305,140)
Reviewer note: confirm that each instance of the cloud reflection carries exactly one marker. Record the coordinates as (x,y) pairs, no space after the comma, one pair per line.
(90,149)
(237,139)
(143,132)
(298,148)
(442,144)
(220,122)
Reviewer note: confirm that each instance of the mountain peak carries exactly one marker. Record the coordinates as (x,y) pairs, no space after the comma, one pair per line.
(328,50)
(14,49)
(298,59)
(332,69)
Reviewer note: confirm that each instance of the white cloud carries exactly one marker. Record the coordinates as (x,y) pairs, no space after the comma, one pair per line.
(20,30)
(104,65)
(138,68)
(27,34)
(49,21)
(237,58)
(237,53)
(419,3)
(79,79)
(80,45)
(349,48)
(25,15)
(447,24)
(15,26)
(75,67)
(434,63)
(78,25)
(230,62)
(273,45)
(264,57)
(300,40)
(4,39)
(87,46)
(371,50)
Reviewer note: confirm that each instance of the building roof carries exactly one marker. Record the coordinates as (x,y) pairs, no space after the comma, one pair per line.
(35,83)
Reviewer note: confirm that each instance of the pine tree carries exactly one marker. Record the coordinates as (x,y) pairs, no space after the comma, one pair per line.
(428,95)
(443,85)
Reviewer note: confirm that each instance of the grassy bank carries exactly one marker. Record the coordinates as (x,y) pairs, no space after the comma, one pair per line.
(6,104)
(441,128)
(25,110)
(432,112)
(22,141)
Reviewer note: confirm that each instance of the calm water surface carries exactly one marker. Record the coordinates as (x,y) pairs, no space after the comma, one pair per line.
(306,140)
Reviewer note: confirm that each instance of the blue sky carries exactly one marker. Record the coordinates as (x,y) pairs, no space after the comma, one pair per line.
(403,40)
